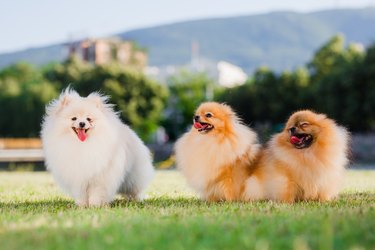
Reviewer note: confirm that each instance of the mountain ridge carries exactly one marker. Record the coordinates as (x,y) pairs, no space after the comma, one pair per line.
(281,40)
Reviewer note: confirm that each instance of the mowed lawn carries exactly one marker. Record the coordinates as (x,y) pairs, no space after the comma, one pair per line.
(35,214)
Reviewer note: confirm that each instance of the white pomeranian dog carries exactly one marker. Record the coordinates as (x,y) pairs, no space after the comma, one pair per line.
(91,154)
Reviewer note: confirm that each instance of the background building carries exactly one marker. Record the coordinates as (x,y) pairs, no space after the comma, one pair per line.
(109,50)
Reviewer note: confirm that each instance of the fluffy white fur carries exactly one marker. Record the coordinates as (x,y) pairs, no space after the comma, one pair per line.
(111,160)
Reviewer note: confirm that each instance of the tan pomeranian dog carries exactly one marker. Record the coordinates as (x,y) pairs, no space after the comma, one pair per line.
(306,161)
(216,155)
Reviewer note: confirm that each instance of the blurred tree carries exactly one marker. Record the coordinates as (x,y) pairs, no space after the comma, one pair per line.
(339,92)
(241,101)
(269,98)
(71,72)
(187,91)
(140,100)
(339,81)
(366,80)
(23,95)
(326,58)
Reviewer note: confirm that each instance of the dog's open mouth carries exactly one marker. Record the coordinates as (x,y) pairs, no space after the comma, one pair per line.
(203,127)
(301,140)
(81,133)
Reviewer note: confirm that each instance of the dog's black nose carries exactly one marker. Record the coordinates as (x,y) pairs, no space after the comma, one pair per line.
(196,118)
(292,129)
(82,124)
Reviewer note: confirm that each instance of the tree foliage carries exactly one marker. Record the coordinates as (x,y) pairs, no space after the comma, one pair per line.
(187,91)
(139,99)
(24,92)
(338,81)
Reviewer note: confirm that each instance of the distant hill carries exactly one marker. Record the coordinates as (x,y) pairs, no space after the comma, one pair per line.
(281,40)
(37,56)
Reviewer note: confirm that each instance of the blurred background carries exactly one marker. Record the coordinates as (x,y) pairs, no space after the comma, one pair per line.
(159,60)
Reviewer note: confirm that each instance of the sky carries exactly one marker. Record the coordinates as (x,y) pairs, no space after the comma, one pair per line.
(34,23)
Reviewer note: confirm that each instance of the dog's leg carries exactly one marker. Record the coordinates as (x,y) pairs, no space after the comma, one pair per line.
(254,189)
(136,181)
(97,195)
(80,196)
(229,194)
(325,196)
(289,193)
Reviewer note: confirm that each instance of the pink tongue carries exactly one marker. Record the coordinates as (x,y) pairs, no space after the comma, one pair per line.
(81,134)
(295,139)
(197,125)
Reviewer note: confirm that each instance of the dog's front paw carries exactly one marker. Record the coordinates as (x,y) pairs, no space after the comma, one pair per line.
(136,197)
(96,201)
(82,203)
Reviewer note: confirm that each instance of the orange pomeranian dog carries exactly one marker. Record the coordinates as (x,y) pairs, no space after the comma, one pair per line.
(216,155)
(306,161)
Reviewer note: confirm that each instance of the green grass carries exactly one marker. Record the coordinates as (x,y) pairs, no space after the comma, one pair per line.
(34,214)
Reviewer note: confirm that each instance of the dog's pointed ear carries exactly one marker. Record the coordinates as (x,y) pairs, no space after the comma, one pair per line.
(61,102)
(98,99)
(322,116)
(229,111)
(65,100)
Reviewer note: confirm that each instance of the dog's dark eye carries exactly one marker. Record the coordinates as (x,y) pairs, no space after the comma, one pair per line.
(88,119)
(74,118)
(208,115)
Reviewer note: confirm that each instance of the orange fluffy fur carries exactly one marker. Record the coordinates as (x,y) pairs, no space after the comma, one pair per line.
(288,174)
(216,163)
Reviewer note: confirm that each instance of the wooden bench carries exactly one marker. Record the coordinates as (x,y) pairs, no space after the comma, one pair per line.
(21,155)
(21,150)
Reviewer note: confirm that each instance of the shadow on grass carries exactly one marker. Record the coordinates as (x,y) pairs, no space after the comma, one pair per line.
(64,204)
(40,205)
(181,202)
